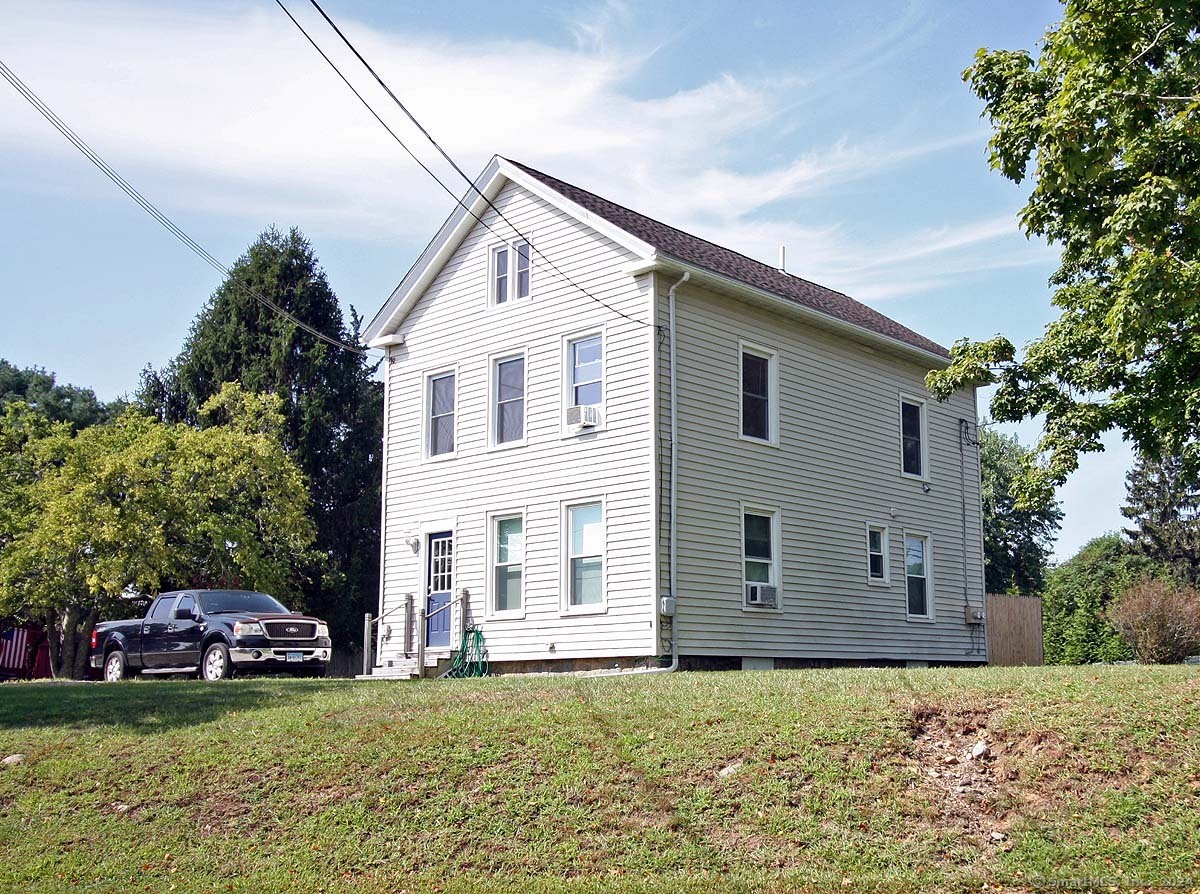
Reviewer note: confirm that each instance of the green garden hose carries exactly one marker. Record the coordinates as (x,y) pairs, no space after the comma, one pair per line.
(471,658)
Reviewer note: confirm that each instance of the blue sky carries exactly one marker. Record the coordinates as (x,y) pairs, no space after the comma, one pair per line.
(841,130)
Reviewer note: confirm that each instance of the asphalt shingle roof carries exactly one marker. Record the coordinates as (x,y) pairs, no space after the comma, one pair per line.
(685,247)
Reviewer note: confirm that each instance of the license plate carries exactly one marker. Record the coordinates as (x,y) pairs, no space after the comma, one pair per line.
(295,656)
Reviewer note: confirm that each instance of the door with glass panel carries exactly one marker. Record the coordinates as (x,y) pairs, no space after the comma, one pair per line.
(441,587)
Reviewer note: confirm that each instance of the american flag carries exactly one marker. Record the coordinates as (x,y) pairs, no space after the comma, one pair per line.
(13,644)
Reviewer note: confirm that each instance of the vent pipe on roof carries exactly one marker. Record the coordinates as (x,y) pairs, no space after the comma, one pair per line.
(783,259)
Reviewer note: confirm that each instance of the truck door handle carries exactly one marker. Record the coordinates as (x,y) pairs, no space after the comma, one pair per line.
(170,628)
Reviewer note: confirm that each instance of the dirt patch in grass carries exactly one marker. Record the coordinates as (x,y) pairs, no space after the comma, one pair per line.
(958,754)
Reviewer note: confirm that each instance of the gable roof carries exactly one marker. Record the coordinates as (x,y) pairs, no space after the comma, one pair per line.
(657,246)
(681,246)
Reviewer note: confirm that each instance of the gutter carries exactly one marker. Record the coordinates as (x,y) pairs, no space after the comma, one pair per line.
(665,264)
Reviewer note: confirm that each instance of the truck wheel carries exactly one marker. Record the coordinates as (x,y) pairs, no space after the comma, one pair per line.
(216,664)
(115,667)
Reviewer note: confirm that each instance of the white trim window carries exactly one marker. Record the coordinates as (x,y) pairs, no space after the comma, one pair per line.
(508,400)
(583,556)
(585,370)
(440,414)
(878,571)
(509,272)
(508,563)
(918,586)
(914,439)
(758,377)
(761,548)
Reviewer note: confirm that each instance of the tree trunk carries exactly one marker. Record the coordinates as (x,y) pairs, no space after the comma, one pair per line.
(72,651)
(54,639)
(83,649)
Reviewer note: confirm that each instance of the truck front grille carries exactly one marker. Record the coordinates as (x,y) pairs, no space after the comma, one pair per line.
(290,629)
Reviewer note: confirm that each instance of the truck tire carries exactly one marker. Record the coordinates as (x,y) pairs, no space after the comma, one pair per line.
(216,664)
(116,668)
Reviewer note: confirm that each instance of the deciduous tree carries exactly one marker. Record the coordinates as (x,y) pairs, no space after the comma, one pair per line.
(1016,538)
(125,508)
(1106,122)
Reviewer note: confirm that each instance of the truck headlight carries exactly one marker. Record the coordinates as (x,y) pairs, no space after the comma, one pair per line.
(322,629)
(248,628)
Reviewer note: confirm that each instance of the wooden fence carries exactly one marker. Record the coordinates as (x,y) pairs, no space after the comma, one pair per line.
(1014,630)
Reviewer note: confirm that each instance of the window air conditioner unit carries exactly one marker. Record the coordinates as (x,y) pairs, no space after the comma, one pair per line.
(583,417)
(762,596)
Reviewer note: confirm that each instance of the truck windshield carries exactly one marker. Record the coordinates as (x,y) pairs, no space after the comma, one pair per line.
(215,602)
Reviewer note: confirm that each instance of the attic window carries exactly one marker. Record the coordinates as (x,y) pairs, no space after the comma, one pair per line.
(509,272)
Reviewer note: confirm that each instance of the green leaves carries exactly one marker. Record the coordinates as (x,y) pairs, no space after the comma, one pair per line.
(1115,156)
(133,505)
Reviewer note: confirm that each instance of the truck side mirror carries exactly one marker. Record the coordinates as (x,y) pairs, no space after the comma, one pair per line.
(185,614)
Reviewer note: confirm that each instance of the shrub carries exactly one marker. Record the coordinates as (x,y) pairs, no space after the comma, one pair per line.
(1078,594)
(1159,620)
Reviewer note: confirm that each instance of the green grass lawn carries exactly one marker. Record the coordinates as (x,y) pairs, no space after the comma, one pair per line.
(849,780)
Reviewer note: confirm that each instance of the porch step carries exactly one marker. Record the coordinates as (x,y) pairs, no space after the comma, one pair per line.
(400,668)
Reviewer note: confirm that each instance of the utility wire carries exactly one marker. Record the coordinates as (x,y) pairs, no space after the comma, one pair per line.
(146,205)
(470,182)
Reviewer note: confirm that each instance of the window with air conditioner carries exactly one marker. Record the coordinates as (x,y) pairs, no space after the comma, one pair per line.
(760,558)
(584,382)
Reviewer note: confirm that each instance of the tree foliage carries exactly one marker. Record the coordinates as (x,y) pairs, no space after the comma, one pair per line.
(332,407)
(134,506)
(1108,118)
(1016,538)
(34,386)
(1078,596)
(1163,501)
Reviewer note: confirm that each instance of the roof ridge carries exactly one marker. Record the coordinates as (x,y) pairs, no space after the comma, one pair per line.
(532,170)
(724,261)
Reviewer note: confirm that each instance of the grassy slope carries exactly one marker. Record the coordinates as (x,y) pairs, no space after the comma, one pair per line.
(279,785)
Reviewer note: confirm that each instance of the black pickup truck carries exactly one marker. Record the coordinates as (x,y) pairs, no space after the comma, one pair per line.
(213,632)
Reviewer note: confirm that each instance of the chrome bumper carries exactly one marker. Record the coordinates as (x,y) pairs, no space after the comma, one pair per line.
(97,661)
(252,656)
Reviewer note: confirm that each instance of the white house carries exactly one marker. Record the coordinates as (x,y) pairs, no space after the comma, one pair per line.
(608,441)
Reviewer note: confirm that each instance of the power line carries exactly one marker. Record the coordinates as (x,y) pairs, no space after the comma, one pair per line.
(75,140)
(470,182)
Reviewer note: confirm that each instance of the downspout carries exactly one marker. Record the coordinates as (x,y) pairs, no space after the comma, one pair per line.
(672,489)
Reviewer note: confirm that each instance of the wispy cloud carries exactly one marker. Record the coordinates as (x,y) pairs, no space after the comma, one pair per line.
(228,110)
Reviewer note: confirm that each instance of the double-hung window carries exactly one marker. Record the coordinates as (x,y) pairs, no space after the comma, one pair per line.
(585,371)
(759,387)
(441,414)
(877,554)
(508,400)
(760,558)
(913,452)
(510,272)
(916,575)
(508,560)
(584,555)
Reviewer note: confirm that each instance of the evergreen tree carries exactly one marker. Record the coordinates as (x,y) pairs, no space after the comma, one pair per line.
(1163,501)
(1016,537)
(332,406)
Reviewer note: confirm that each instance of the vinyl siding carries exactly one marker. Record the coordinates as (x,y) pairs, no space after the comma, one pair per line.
(836,470)
(452,325)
